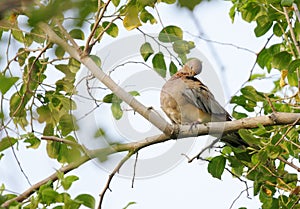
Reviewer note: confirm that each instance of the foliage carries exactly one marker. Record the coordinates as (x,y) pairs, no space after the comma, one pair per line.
(31,99)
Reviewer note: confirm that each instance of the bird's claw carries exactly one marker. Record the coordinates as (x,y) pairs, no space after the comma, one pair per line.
(193,124)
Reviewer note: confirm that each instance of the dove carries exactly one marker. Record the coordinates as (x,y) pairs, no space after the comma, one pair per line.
(186,100)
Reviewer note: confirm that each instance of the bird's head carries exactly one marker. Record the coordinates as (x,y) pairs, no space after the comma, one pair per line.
(195,65)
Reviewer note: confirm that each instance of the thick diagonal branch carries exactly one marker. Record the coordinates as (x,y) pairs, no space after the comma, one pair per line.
(147,113)
(182,132)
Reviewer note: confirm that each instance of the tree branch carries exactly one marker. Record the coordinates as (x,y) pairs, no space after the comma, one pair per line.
(147,113)
(291,30)
(52,177)
(116,169)
(279,118)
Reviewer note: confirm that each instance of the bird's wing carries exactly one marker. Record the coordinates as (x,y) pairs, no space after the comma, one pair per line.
(199,95)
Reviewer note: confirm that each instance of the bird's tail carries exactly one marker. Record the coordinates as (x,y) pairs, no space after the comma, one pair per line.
(234,140)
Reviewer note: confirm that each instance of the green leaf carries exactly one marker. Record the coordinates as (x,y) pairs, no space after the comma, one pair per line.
(116,2)
(116,110)
(28,40)
(256,76)
(74,65)
(66,85)
(22,56)
(67,124)
(292,79)
(130,203)
(98,32)
(273,151)
(6,83)
(144,3)
(263,25)
(239,100)
(170,34)
(260,157)
(77,34)
(96,59)
(278,30)
(108,98)
(168,1)
(290,177)
(33,141)
(281,60)
(18,35)
(38,35)
(112,30)
(294,65)
(131,19)
(17,104)
(87,200)
(145,16)
(53,149)
(44,113)
(190,4)
(99,133)
(172,68)
(248,137)
(146,51)
(264,59)
(159,64)
(7,142)
(65,69)
(181,47)
(232,13)
(134,93)
(250,11)
(59,52)
(48,130)
(287,3)
(48,196)
(111,98)
(216,166)
(250,93)
(239,115)
(67,182)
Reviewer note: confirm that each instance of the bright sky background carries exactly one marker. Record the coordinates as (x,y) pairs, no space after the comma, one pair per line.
(185,185)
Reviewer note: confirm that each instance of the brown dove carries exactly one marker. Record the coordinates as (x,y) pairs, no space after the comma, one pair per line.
(186,100)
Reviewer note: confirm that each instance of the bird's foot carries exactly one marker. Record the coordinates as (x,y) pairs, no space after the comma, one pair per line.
(194,124)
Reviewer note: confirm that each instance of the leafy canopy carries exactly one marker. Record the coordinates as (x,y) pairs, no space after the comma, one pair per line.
(34,103)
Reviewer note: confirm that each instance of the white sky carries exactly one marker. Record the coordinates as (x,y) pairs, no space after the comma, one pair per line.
(181,185)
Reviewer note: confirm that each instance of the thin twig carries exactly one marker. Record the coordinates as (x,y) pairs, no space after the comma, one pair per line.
(67,35)
(102,32)
(52,178)
(110,177)
(147,113)
(221,43)
(239,178)
(287,131)
(270,103)
(101,11)
(291,30)
(230,126)
(134,169)
(296,11)
(289,163)
(204,149)
(65,141)
(245,190)
(129,62)
(253,66)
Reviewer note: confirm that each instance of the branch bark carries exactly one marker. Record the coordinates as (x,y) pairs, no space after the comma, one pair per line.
(279,118)
(147,113)
(169,131)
